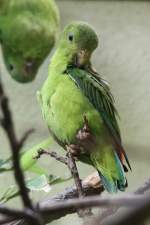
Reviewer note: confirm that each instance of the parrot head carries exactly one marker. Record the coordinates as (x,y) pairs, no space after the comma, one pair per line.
(24,52)
(21,69)
(78,41)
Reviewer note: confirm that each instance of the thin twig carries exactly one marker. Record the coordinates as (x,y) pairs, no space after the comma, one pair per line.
(25,137)
(61,159)
(70,162)
(74,171)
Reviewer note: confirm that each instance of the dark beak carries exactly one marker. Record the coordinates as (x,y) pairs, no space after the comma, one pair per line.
(82,58)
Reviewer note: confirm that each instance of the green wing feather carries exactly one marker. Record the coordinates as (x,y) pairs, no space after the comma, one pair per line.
(98,92)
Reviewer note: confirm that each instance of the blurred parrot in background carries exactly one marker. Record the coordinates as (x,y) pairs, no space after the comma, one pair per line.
(79,108)
(28,31)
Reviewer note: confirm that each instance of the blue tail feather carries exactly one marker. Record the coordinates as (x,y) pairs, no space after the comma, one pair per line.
(113,184)
(110,186)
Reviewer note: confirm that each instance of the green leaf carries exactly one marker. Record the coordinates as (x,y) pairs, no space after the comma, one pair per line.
(10,193)
(5,165)
(39,183)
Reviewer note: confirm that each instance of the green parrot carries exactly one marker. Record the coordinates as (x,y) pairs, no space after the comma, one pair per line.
(79,110)
(28,31)
(28,160)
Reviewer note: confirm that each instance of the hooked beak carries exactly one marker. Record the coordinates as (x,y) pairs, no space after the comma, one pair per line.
(82,58)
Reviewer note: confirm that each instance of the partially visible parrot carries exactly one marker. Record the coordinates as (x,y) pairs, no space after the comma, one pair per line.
(79,110)
(28,31)
(28,160)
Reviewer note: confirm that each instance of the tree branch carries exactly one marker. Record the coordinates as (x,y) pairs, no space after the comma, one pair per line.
(69,193)
(135,216)
(138,215)
(59,205)
(70,162)
(8,126)
(111,211)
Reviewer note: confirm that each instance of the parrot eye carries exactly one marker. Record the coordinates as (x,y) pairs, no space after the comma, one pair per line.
(70,37)
(11,67)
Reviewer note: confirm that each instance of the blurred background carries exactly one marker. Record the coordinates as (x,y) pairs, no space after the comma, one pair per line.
(123,58)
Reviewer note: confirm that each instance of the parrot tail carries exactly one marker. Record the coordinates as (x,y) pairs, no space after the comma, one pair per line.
(110,169)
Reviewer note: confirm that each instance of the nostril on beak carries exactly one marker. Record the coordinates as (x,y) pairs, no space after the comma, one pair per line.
(83,52)
(29,66)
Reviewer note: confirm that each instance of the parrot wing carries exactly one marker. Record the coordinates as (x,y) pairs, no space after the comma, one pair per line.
(97,91)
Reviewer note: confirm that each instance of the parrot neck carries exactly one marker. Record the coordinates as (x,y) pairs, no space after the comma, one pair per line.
(60,61)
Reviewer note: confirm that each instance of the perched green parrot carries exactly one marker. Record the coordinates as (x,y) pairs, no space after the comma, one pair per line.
(79,108)
(28,30)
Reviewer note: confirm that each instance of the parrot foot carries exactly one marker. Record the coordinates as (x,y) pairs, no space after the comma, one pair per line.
(85,139)
(75,150)
(84,133)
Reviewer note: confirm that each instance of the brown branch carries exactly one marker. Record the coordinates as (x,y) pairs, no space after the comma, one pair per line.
(137,216)
(70,162)
(25,137)
(69,193)
(111,211)
(58,207)
(74,171)
(8,126)
(126,200)
(65,207)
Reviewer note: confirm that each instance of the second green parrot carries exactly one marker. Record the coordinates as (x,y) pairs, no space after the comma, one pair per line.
(28,30)
(79,110)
